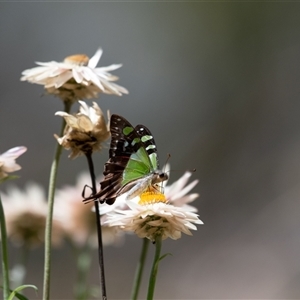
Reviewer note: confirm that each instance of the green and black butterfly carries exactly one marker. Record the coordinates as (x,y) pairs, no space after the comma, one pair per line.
(133,163)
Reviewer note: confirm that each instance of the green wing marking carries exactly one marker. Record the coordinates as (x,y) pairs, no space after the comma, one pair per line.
(138,166)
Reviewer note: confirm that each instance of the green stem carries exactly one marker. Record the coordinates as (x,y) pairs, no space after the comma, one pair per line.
(139,270)
(5,269)
(51,192)
(152,279)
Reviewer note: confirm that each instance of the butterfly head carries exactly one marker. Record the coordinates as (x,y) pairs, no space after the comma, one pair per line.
(159,177)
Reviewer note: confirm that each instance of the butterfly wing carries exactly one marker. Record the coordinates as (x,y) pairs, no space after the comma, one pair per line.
(149,145)
(129,159)
(140,163)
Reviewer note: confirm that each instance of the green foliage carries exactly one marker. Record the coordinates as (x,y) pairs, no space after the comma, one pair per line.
(15,292)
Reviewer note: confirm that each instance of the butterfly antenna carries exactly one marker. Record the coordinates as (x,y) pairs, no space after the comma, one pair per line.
(180,170)
(161,184)
(166,163)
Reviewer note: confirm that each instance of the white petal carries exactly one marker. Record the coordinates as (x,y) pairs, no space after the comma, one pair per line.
(84,107)
(61,79)
(70,120)
(187,189)
(34,71)
(10,166)
(77,75)
(101,70)
(14,152)
(95,59)
(184,200)
(93,78)
(178,185)
(114,88)
(84,123)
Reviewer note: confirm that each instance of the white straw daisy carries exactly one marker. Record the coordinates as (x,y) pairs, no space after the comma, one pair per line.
(76,77)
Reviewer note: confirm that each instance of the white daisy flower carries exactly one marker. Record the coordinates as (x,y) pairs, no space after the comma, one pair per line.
(76,77)
(25,214)
(152,216)
(85,131)
(7,161)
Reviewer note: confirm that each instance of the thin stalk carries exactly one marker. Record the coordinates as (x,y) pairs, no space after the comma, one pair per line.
(51,192)
(139,270)
(153,275)
(5,269)
(98,222)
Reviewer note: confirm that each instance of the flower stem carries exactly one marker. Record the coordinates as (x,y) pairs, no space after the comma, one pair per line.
(139,270)
(152,279)
(51,192)
(98,222)
(5,272)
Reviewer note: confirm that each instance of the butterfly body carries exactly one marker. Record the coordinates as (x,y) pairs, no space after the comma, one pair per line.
(132,167)
(138,186)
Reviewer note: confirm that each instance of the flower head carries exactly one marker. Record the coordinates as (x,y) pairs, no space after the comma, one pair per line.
(85,132)
(25,213)
(75,78)
(150,215)
(7,161)
(78,219)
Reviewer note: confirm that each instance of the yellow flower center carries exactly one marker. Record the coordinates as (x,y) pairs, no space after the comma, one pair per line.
(77,59)
(152,197)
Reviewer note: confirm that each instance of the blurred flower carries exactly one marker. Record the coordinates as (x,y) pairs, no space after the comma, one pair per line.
(85,132)
(7,161)
(76,77)
(25,213)
(150,216)
(111,235)
(78,219)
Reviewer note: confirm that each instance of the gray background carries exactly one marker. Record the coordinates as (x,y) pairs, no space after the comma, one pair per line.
(218,85)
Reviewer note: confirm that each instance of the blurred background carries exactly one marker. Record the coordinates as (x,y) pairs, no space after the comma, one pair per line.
(217,84)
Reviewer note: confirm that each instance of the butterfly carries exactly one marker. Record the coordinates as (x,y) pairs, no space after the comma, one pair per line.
(133,163)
